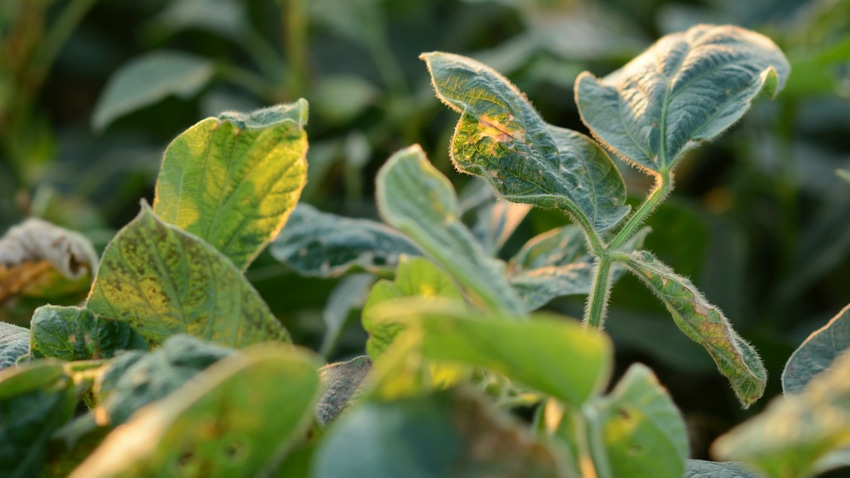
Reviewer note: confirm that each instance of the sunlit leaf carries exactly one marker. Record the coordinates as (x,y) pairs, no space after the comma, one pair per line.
(235,420)
(163,281)
(148,79)
(14,342)
(502,138)
(817,353)
(705,324)
(342,383)
(319,244)
(234,180)
(418,200)
(687,88)
(713,469)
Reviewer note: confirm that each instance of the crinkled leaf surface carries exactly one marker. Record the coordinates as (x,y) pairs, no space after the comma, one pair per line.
(148,79)
(234,180)
(132,380)
(501,138)
(325,245)
(704,324)
(72,333)
(796,434)
(163,281)
(442,435)
(642,430)
(713,469)
(817,353)
(35,399)
(14,342)
(687,88)
(231,421)
(342,383)
(415,277)
(418,200)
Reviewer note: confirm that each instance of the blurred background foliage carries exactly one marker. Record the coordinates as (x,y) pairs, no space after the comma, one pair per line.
(92,91)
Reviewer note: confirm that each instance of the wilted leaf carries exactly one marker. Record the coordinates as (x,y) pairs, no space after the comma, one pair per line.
(687,88)
(14,342)
(342,383)
(236,420)
(163,281)
(502,138)
(72,333)
(148,79)
(817,353)
(713,469)
(319,244)
(704,324)
(234,180)
(641,431)
(418,200)
(443,435)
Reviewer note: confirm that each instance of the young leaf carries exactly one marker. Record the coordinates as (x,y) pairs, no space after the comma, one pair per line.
(233,180)
(446,434)
(342,383)
(817,353)
(713,469)
(501,138)
(14,342)
(324,245)
(419,201)
(640,428)
(147,80)
(704,324)
(163,281)
(72,333)
(235,421)
(687,88)
(796,434)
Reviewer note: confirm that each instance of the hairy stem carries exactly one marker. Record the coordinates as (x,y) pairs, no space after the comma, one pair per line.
(663,187)
(597,301)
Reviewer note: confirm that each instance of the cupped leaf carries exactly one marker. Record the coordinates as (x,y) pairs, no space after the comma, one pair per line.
(418,200)
(163,281)
(148,79)
(342,384)
(797,435)
(687,88)
(704,324)
(713,469)
(234,180)
(442,435)
(325,245)
(640,429)
(14,343)
(415,277)
(72,333)
(501,138)
(234,420)
(817,353)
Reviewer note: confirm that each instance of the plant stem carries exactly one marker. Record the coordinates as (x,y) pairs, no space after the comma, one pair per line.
(663,186)
(295,45)
(597,301)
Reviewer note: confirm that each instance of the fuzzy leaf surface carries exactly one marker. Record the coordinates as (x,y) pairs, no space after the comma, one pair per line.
(714,469)
(501,138)
(14,342)
(234,180)
(72,333)
(418,200)
(817,353)
(342,383)
(325,245)
(163,281)
(687,88)
(705,324)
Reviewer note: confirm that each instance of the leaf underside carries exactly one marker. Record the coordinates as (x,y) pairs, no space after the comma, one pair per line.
(817,353)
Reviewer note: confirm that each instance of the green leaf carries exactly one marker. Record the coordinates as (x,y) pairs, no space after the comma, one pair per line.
(72,333)
(687,88)
(163,281)
(349,294)
(713,469)
(415,277)
(704,324)
(797,435)
(235,420)
(641,429)
(36,398)
(494,219)
(843,174)
(542,353)
(817,353)
(14,343)
(443,435)
(342,384)
(133,380)
(501,138)
(325,245)
(418,200)
(224,17)
(234,180)
(148,79)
